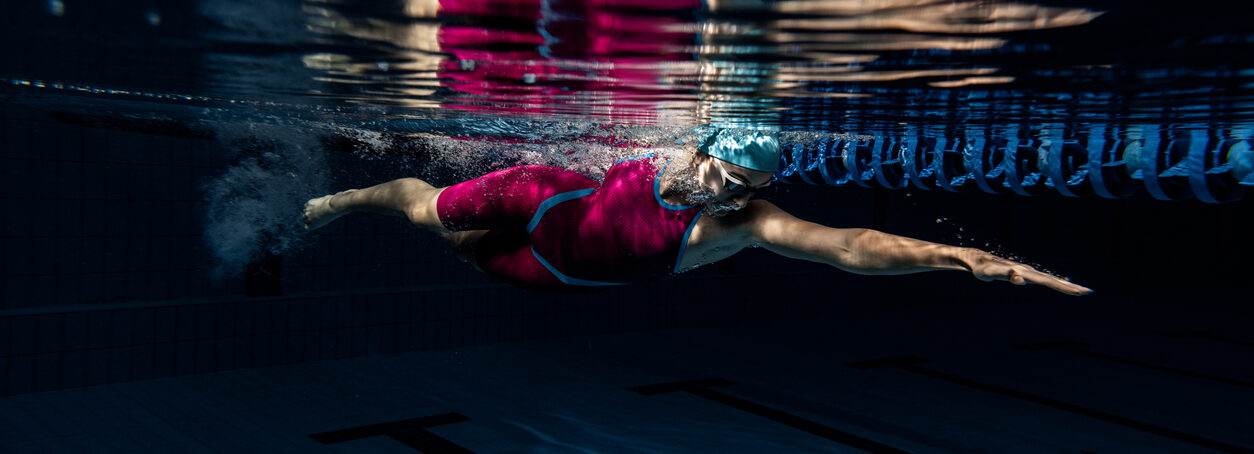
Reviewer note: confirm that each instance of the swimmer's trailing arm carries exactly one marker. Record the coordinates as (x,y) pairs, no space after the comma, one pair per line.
(866,251)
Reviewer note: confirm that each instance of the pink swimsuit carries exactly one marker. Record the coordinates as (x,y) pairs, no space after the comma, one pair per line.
(553,229)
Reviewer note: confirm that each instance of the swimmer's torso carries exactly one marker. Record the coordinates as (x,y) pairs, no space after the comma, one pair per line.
(620,232)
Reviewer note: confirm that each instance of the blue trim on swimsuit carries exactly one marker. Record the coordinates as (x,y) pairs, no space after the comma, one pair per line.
(657,182)
(683,245)
(554,200)
(535,221)
(567,279)
(633,158)
(657,192)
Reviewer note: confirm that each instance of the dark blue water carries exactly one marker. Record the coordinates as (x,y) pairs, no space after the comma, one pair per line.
(155,156)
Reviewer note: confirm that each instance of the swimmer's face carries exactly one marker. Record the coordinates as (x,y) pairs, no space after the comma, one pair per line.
(731,184)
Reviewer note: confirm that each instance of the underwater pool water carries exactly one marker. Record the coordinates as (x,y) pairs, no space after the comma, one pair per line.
(155,156)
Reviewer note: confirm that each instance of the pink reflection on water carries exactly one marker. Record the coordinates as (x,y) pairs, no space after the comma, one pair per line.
(597,54)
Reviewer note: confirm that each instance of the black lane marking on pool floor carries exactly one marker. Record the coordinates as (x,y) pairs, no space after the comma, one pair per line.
(910,364)
(1076,348)
(701,388)
(411,432)
(1207,335)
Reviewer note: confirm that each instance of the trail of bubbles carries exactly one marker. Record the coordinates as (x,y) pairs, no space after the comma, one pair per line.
(253,206)
(469,148)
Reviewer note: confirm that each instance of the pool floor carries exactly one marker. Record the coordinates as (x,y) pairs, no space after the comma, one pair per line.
(1066,377)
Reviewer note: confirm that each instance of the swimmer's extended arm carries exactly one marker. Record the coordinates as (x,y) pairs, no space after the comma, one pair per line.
(866,251)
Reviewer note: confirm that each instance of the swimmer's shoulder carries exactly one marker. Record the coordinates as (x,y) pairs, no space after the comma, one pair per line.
(738,226)
(714,238)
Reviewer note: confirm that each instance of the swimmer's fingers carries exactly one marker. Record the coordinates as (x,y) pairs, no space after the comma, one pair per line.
(1023,274)
(992,267)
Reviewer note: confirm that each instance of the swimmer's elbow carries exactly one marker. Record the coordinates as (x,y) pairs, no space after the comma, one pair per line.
(789,236)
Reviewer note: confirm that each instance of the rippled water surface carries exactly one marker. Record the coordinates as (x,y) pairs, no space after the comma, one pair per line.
(811,64)
(1003,96)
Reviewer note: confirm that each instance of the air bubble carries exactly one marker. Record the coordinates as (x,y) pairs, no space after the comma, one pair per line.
(152,17)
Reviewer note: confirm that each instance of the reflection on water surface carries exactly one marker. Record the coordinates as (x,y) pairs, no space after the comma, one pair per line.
(842,65)
(673,61)
(1003,96)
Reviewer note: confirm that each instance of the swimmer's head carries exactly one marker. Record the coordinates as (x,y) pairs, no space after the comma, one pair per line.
(731,167)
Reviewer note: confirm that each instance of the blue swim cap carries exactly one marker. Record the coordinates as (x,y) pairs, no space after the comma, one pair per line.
(748,148)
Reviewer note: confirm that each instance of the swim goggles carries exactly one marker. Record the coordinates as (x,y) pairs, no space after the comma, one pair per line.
(733,184)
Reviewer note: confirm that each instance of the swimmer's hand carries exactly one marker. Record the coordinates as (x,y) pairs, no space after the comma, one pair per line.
(988,267)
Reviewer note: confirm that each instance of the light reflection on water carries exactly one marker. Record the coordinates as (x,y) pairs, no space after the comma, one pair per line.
(733,63)
(947,89)
(834,65)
